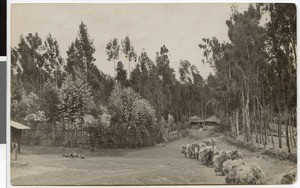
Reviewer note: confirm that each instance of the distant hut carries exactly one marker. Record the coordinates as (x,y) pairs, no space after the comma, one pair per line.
(16,132)
(196,122)
(212,121)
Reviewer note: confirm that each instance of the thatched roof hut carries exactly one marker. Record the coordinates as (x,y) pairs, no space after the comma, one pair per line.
(196,119)
(196,122)
(213,120)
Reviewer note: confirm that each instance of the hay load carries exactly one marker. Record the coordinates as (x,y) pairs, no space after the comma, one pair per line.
(218,160)
(247,174)
(207,154)
(230,164)
(235,155)
(288,178)
(209,142)
(224,156)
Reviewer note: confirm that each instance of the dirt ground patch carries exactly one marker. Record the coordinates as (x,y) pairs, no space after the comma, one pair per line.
(153,165)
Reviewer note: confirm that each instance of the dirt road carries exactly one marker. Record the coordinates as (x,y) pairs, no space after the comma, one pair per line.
(154,165)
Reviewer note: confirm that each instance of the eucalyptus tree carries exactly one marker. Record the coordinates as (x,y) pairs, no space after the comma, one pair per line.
(129,52)
(112,51)
(166,76)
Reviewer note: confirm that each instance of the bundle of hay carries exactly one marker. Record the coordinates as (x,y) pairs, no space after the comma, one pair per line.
(235,155)
(188,150)
(245,174)
(196,149)
(201,145)
(224,156)
(206,142)
(207,153)
(230,164)
(209,142)
(288,178)
(218,160)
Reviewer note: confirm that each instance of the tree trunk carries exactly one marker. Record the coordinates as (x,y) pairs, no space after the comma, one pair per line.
(244,124)
(292,127)
(279,130)
(287,131)
(290,130)
(270,127)
(271,132)
(237,123)
(254,121)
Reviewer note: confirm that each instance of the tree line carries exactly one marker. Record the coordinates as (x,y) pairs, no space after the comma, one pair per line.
(254,82)
(256,72)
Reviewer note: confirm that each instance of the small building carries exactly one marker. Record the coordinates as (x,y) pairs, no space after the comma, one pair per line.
(212,121)
(16,132)
(195,122)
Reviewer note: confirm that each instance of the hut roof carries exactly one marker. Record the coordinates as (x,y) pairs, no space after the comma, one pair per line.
(213,119)
(18,125)
(196,119)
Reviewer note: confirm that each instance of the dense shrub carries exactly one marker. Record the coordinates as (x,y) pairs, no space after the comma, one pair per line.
(243,145)
(133,117)
(279,154)
(145,122)
(174,135)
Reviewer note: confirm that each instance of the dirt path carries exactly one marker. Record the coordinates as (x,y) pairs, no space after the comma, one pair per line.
(154,165)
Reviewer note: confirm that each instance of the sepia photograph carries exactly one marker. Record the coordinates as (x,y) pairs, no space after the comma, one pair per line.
(153,94)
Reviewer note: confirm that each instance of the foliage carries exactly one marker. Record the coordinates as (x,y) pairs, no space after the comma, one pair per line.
(128,51)
(133,115)
(121,76)
(75,99)
(112,50)
(144,121)
(254,80)
(28,104)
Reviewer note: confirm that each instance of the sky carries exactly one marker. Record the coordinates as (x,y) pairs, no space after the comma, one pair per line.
(180,27)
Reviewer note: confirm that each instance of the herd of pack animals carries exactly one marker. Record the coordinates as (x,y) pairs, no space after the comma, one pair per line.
(227,162)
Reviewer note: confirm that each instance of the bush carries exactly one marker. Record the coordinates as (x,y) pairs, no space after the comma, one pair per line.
(133,117)
(243,145)
(174,135)
(279,154)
